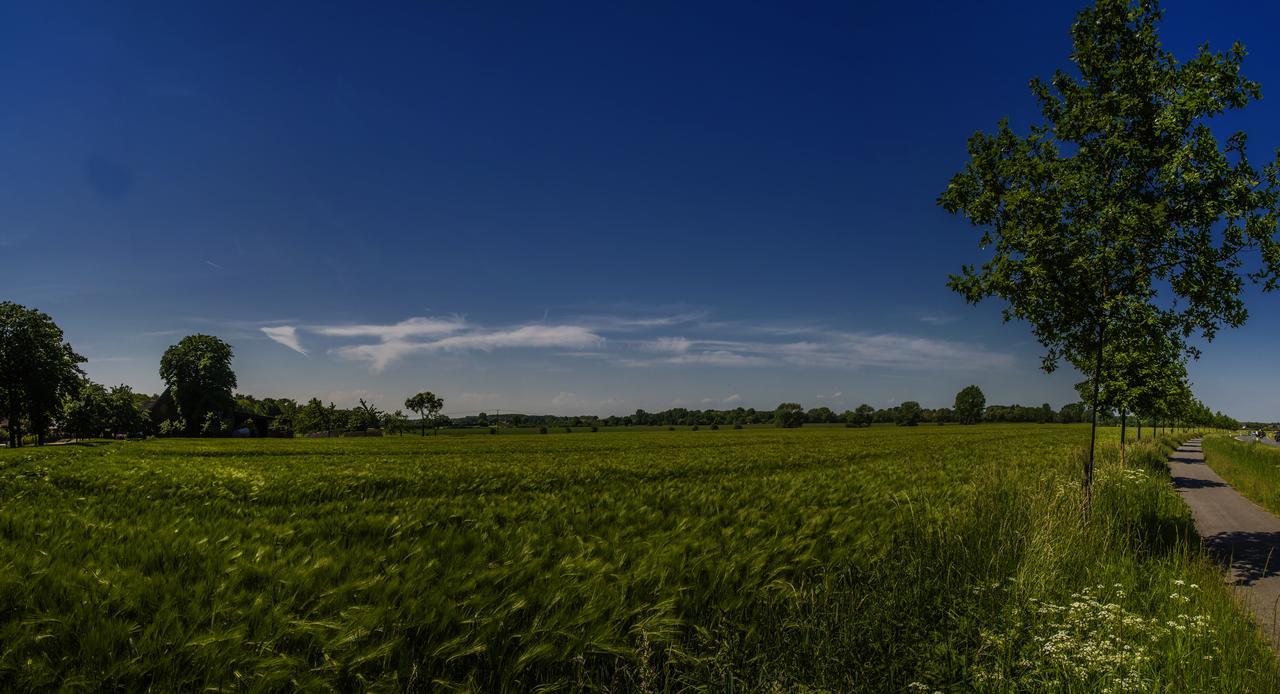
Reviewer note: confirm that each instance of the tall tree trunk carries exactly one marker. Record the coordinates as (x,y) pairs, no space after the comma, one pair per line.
(1124,418)
(1093,425)
(15,416)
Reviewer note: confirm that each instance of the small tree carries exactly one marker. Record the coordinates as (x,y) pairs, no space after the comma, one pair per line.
(427,405)
(863,415)
(970,402)
(788,415)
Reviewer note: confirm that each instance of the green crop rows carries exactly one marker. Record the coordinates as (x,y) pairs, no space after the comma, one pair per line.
(932,558)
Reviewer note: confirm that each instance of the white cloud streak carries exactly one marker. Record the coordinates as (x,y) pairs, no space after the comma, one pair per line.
(413,327)
(382,354)
(706,344)
(286,335)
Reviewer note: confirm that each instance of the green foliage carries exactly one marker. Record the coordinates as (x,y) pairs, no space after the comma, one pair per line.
(173,427)
(198,373)
(1123,209)
(908,414)
(315,417)
(788,415)
(364,416)
(970,404)
(213,425)
(427,405)
(38,370)
(766,559)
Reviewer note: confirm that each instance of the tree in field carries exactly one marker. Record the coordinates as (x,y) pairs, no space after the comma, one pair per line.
(427,405)
(314,416)
(864,414)
(1140,366)
(365,416)
(38,370)
(86,413)
(124,414)
(908,414)
(788,415)
(970,402)
(198,373)
(1123,203)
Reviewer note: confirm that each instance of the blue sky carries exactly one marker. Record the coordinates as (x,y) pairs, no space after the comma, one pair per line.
(568,207)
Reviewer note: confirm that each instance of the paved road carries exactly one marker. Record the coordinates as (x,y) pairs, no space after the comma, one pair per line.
(1239,533)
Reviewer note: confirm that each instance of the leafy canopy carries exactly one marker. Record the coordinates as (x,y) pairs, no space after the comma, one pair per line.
(1122,203)
(198,373)
(970,402)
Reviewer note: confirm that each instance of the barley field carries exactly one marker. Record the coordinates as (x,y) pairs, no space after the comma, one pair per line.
(882,559)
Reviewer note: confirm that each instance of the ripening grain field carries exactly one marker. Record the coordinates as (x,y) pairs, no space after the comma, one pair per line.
(883,559)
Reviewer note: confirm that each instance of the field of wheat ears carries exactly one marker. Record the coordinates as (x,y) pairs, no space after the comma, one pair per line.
(881,559)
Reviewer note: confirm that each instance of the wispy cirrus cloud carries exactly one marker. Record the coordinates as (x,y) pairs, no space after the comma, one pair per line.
(704,344)
(380,355)
(939,318)
(412,327)
(286,335)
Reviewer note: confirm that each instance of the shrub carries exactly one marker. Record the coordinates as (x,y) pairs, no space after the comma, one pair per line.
(568,430)
(737,425)
(671,428)
(542,430)
(695,427)
(493,430)
(594,428)
(715,427)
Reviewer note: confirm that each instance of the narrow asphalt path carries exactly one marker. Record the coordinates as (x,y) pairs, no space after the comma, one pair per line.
(1239,533)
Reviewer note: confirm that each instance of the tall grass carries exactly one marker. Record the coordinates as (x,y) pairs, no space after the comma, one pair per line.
(1252,468)
(950,558)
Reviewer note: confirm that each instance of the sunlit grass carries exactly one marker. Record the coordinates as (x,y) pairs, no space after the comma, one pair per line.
(1252,468)
(875,559)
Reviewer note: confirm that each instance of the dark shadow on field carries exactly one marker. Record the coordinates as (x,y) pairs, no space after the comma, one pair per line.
(1250,555)
(1181,456)
(1195,483)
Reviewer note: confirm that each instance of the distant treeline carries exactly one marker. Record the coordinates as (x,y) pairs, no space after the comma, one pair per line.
(315,416)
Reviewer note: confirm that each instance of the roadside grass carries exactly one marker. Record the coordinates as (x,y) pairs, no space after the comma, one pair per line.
(1252,468)
(883,559)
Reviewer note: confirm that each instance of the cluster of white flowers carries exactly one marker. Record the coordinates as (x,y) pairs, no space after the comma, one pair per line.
(1093,640)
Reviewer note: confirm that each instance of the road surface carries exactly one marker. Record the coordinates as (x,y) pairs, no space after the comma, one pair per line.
(1239,533)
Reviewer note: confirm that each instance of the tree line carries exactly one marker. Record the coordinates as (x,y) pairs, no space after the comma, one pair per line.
(1119,227)
(43,390)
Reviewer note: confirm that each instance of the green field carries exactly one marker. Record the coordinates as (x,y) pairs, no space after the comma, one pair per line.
(882,559)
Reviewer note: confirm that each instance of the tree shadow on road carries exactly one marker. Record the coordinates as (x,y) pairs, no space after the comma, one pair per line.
(1250,555)
(1180,482)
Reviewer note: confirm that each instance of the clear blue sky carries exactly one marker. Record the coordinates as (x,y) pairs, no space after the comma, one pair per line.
(573,207)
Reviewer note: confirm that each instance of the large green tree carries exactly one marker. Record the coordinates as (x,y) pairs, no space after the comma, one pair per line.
(970,403)
(38,370)
(198,373)
(788,415)
(908,414)
(1122,202)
